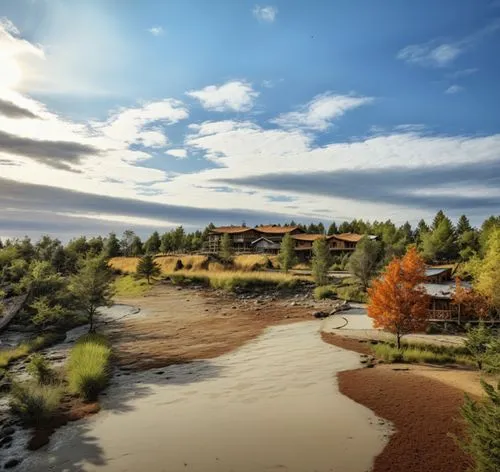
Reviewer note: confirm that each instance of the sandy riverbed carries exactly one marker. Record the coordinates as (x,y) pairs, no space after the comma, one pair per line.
(271,405)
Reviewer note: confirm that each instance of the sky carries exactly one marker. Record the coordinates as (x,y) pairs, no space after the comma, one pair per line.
(147,115)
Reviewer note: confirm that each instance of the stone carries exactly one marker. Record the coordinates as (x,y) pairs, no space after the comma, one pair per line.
(160,372)
(320,314)
(8,431)
(11,463)
(6,440)
(234,307)
(293,303)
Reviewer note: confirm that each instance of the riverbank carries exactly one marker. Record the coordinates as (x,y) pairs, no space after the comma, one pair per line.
(424,410)
(272,404)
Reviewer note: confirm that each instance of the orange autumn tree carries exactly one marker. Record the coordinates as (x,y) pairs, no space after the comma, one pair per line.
(472,303)
(397,302)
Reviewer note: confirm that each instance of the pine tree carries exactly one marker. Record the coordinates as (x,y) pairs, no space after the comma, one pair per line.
(321,261)
(147,267)
(136,247)
(286,256)
(463,225)
(440,216)
(482,419)
(321,228)
(332,229)
(365,261)
(440,244)
(91,287)
(226,249)
(112,246)
(152,245)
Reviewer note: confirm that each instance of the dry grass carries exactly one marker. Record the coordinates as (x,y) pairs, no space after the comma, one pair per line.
(250,261)
(233,280)
(128,265)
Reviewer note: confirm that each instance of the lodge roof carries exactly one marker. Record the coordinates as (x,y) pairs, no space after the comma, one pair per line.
(231,229)
(276,229)
(307,237)
(348,237)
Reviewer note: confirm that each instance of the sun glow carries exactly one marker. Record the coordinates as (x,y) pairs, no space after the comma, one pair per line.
(10,73)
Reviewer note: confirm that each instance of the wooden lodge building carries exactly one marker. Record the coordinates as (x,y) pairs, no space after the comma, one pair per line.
(266,239)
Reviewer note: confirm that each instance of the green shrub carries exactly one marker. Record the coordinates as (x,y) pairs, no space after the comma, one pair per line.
(352,293)
(387,352)
(418,352)
(89,366)
(324,291)
(482,439)
(40,369)
(34,403)
(45,340)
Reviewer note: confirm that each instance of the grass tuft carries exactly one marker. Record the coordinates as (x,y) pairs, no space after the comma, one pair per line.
(421,353)
(34,403)
(325,291)
(129,286)
(88,368)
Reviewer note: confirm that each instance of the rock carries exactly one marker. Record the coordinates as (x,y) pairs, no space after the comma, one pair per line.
(11,463)
(160,372)
(293,304)
(4,386)
(234,307)
(6,440)
(8,431)
(320,314)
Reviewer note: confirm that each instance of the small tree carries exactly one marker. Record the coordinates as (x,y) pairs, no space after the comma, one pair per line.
(365,261)
(91,287)
(226,249)
(482,421)
(321,261)
(478,343)
(148,267)
(286,256)
(397,303)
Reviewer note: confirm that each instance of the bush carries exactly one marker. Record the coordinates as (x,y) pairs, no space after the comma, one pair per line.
(416,353)
(89,366)
(352,293)
(387,352)
(179,265)
(324,291)
(34,403)
(40,369)
(24,349)
(483,438)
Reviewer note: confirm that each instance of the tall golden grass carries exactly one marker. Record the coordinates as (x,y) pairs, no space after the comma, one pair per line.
(166,263)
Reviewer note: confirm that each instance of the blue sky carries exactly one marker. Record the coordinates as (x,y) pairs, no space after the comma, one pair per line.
(246,110)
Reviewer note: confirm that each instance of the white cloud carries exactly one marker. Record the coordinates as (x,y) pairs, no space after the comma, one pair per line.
(320,111)
(438,53)
(178,153)
(430,54)
(236,95)
(129,125)
(8,26)
(156,30)
(452,89)
(462,73)
(265,13)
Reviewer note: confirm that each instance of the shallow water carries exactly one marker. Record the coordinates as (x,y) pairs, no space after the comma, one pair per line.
(272,405)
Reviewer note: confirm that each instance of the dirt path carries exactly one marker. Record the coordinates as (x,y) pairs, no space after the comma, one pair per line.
(181,325)
(422,402)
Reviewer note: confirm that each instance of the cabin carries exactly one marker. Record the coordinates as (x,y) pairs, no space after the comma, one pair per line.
(338,243)
(441,290)
(241,238)
(265,246)
(262,239)
(438,275)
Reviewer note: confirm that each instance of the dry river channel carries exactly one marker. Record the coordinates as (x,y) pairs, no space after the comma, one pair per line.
(271,405)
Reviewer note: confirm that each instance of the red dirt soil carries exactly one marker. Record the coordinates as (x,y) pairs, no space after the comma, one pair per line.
(424,412)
